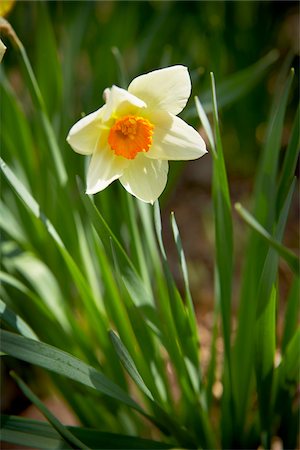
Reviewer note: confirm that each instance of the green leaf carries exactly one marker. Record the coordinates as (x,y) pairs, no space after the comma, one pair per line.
(79,280)
(285,253)
(255,256)
(15,322)
(290,163)
(223,264)
(66,434)
(62,363)
(289,367)
(102,228)
(46,126)
(236,85)
(291,314)
(184,270)
(128,363)
(48,68)
(265,334)
(223,228)
(37,434)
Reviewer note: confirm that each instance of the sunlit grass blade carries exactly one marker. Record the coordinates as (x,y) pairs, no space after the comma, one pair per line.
(37,434)
(128,363)
(15,322)
(175,316)
(181,347)
(102,228)
(46,318)
(62,363)
(206,125)
(137,251)
(79,280)
(69,438)
(184,270)
(143,347)
(223,265)
(285,253)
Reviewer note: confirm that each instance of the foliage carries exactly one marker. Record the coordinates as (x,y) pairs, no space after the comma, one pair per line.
(87,289)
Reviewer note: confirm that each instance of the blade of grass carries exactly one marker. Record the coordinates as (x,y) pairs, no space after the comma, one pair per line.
(264,213)
(128,363)
(48,68)
(291,314)
(65,433)
(62,363)
(38,102)
(183,355)
(224,264)
(15,322)
(95,316)
(264,364)
(285,253)
(290,163)
(34,433)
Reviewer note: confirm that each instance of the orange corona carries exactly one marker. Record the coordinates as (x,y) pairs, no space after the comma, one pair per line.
(130,135)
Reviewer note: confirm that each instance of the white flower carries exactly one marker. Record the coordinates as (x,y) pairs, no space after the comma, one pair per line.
(136,132)
(2,50)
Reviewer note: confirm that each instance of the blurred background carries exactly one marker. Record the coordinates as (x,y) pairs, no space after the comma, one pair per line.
(100,43)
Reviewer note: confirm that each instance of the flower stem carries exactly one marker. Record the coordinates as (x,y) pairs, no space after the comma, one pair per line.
(38,101)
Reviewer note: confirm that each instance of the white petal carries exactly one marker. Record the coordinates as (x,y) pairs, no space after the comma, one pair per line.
(167,89)
(105,167)
(84,135)
(2,50)
(145,178)
(119,101)
(174,139)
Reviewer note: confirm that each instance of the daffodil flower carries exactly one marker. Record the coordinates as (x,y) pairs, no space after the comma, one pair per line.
(136,132)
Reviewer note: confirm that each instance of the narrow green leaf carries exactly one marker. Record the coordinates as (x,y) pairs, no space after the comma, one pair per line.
(290,163)
(292,314)
(128,363)
(16,322)
(123,77)
(41,435)
(66,434)
(62,363)
(289,367)
(184,270)
(255,256)
(237,85)
(223,229)
(46,125)
(29,201)
(95,315)
(48,68)
(206,125)
(102,228)
(285,253)
(265,334)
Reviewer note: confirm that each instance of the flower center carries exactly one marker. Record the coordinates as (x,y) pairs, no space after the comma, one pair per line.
(130,135)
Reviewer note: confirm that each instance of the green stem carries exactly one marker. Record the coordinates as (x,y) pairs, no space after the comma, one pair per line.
(38,101)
